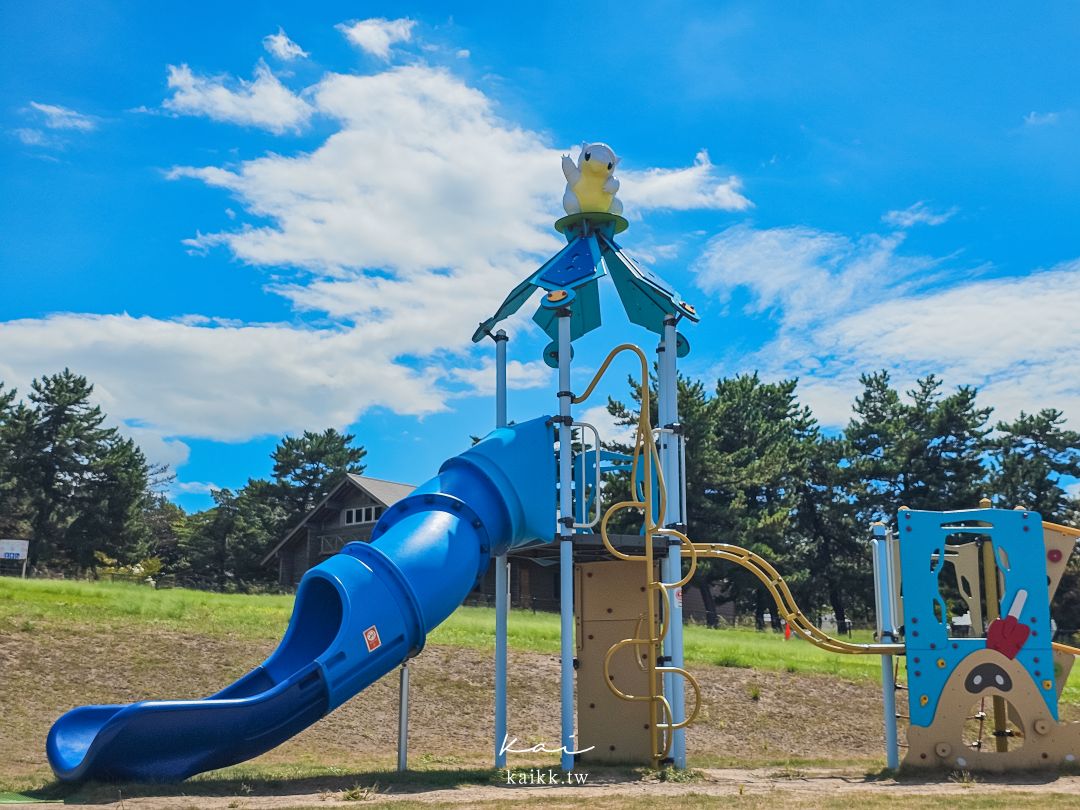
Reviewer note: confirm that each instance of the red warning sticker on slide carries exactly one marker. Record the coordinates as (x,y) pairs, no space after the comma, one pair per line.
(371,636)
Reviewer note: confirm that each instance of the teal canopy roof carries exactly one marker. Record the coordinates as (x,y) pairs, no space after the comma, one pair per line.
(591,253)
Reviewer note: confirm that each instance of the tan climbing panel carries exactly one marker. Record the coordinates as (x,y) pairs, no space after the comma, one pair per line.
(609,601)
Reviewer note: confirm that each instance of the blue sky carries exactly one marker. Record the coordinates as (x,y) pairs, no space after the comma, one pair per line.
(241,221)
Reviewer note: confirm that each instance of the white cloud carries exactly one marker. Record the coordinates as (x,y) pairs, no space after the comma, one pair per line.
(403,229)
(917,214)
(606,424)
(195,487)
(802,273)
(57,117)
(843,307)
(423,201)
(481,381)
(421,175)
(1037,119)
(158,447)
(282,47)
(377,35)
(1014,338)
(264,102)
(697,186)
(32,137)
(219,382)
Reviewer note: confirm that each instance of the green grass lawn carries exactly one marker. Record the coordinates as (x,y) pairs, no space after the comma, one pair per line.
(25,604)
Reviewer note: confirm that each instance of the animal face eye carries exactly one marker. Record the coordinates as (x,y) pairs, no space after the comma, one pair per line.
(610,166)
(588,155)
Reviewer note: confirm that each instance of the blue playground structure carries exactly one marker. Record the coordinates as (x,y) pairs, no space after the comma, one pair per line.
(368,609)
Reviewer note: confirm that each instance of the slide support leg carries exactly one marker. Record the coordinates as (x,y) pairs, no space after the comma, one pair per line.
(403,719)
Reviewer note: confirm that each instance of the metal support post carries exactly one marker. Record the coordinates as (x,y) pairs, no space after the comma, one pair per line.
(670,464)
(993,611)
(502,574)
(403,720)
(566,545)
(884,602)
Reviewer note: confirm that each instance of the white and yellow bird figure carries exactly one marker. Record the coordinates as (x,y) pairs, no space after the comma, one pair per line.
(591,183)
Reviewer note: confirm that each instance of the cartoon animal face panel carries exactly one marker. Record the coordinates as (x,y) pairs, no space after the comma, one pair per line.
(1041,740)
(597,158)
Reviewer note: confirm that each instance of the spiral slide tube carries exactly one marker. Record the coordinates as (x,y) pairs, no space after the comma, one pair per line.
(357,616)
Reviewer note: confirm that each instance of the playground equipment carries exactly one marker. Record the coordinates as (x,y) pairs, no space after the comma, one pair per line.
(1006,567)
(368,609)
(357,616)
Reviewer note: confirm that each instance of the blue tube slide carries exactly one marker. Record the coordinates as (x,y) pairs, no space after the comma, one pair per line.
(357,616)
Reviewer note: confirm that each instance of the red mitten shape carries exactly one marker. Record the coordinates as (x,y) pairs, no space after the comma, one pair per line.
(1007,636)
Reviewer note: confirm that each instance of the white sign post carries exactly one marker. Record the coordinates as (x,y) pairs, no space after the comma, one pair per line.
(15,550)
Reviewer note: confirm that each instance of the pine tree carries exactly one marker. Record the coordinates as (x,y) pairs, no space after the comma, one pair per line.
(16,424)
(307,467)
(925,453)
(1031,457)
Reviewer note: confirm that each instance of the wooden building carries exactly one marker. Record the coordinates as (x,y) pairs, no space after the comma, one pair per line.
(348,513)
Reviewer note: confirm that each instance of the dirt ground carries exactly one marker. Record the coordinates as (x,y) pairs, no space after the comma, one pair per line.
(793,715)
(750,788)
(818,739)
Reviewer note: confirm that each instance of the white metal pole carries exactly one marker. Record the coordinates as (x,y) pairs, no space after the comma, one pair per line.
(670,463)
(403,720)
(502,574)
(566,546)
(664,439)
(883,584)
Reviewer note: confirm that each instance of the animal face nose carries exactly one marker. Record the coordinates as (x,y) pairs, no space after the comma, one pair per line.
(987,676)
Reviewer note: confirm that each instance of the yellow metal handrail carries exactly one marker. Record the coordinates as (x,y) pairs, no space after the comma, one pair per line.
(785,601)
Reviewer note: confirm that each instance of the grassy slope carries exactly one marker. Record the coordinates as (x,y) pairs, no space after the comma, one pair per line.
(23,605)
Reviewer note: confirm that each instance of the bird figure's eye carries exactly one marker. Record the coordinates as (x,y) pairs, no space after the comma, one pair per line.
(588,155)
(610,166)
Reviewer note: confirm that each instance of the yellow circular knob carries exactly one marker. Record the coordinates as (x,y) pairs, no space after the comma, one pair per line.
(556,295)
(924,699)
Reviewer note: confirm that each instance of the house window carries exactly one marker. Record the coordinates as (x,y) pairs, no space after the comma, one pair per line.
(362,514)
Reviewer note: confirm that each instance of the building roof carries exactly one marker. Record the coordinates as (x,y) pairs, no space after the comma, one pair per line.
(385,492)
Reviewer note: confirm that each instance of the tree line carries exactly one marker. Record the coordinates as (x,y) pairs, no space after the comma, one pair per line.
(761,471)
(764,474)
(90,502)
